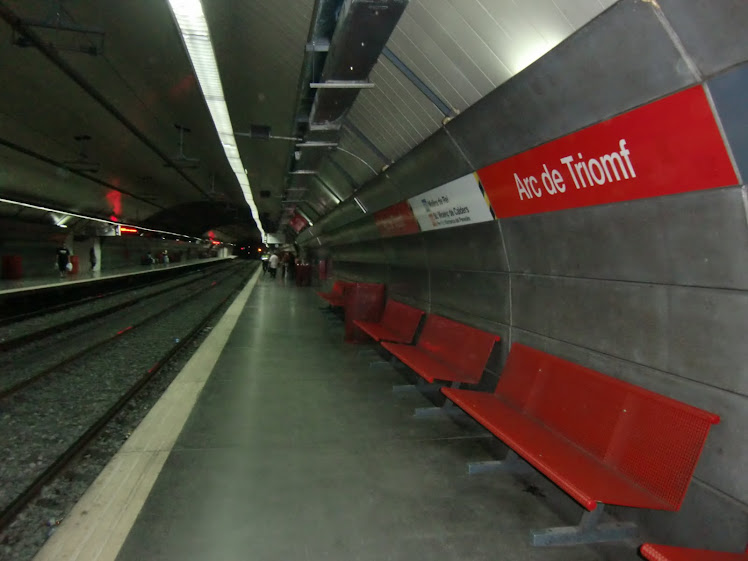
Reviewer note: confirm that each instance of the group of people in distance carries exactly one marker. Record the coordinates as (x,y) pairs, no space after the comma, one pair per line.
(286,261)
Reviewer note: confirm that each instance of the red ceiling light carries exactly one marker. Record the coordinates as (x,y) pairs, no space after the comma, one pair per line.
(126,230)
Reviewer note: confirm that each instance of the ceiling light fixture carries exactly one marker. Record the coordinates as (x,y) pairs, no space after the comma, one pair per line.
(305,216)
(194,30)
(67,215)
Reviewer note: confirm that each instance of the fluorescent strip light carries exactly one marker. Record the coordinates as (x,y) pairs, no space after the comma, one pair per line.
(360,205)
(306,216)
(193,27)
(93,219)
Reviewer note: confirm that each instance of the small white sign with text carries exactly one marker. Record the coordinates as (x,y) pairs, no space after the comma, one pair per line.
(456,203)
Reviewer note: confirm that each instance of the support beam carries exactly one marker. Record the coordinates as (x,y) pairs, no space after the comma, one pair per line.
(365,139)
(418,83)
(342,85)
(512,463)
(589,531)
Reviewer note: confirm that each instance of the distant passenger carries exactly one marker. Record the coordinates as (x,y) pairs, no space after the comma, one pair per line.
(165,257)
(92,258)
(273,264)
(63,260)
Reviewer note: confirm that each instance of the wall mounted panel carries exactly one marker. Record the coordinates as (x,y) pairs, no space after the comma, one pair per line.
(476,247)
(706,237)
(712,33)
(484,295)
(410,282)
(379,193)
(728,91)
(619,241)
(626,320)
(434,162)
(406,251)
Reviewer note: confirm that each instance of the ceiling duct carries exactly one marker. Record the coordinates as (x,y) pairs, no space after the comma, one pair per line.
(363,28)
(345,40)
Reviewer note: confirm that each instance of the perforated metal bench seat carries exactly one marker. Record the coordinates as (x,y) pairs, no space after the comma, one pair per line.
(447,351)
(656,552)
(600,439)
(577,472)
(398,324)
(336,297)
(429,367)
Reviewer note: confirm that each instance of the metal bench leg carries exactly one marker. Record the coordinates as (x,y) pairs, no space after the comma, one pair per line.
(512,463)
(589,531)
(407,388)
(449,408)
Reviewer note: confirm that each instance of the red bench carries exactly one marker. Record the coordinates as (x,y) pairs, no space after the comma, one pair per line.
(398,323)
(336,297)
(602,440)
(447,350)
(656,552)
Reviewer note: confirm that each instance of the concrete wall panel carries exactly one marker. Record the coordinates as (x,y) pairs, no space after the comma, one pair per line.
(411,283)
(713,38)
(728,91)
(476,247)
(705,238)
(432,163)
(621,241)
(626,320)
(706,337)
(483,295)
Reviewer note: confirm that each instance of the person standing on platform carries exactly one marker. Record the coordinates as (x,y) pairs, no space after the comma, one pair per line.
(92,258)
(273,264)
(63,260)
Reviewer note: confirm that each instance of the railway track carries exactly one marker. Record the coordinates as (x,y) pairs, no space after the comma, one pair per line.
(70,391)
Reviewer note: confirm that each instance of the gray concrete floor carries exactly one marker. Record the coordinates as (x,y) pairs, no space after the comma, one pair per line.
(296,450)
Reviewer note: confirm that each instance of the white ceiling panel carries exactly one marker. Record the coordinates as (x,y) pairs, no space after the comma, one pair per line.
(463,49)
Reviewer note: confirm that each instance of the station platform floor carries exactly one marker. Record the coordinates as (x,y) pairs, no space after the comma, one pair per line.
(286,445)
(55,281)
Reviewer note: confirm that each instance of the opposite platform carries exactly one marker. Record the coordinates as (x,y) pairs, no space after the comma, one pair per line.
(8,287)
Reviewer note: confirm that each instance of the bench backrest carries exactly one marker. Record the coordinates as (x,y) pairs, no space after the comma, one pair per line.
(652,439)
(458,345)
(401,319)
(338,288)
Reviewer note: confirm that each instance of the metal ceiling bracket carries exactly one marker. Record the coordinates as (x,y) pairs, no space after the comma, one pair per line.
(418,83)
(317,144)
(318,46)
(324,127)
(342,85)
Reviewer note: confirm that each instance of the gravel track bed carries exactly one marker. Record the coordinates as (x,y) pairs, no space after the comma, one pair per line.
(33,526)
(90,306)
(43,420)
(23,363)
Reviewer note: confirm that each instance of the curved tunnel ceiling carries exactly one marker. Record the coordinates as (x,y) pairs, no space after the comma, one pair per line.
(97,134)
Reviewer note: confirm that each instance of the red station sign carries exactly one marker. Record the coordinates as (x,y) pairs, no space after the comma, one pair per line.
(397,220)
(672,145)
(298,222)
